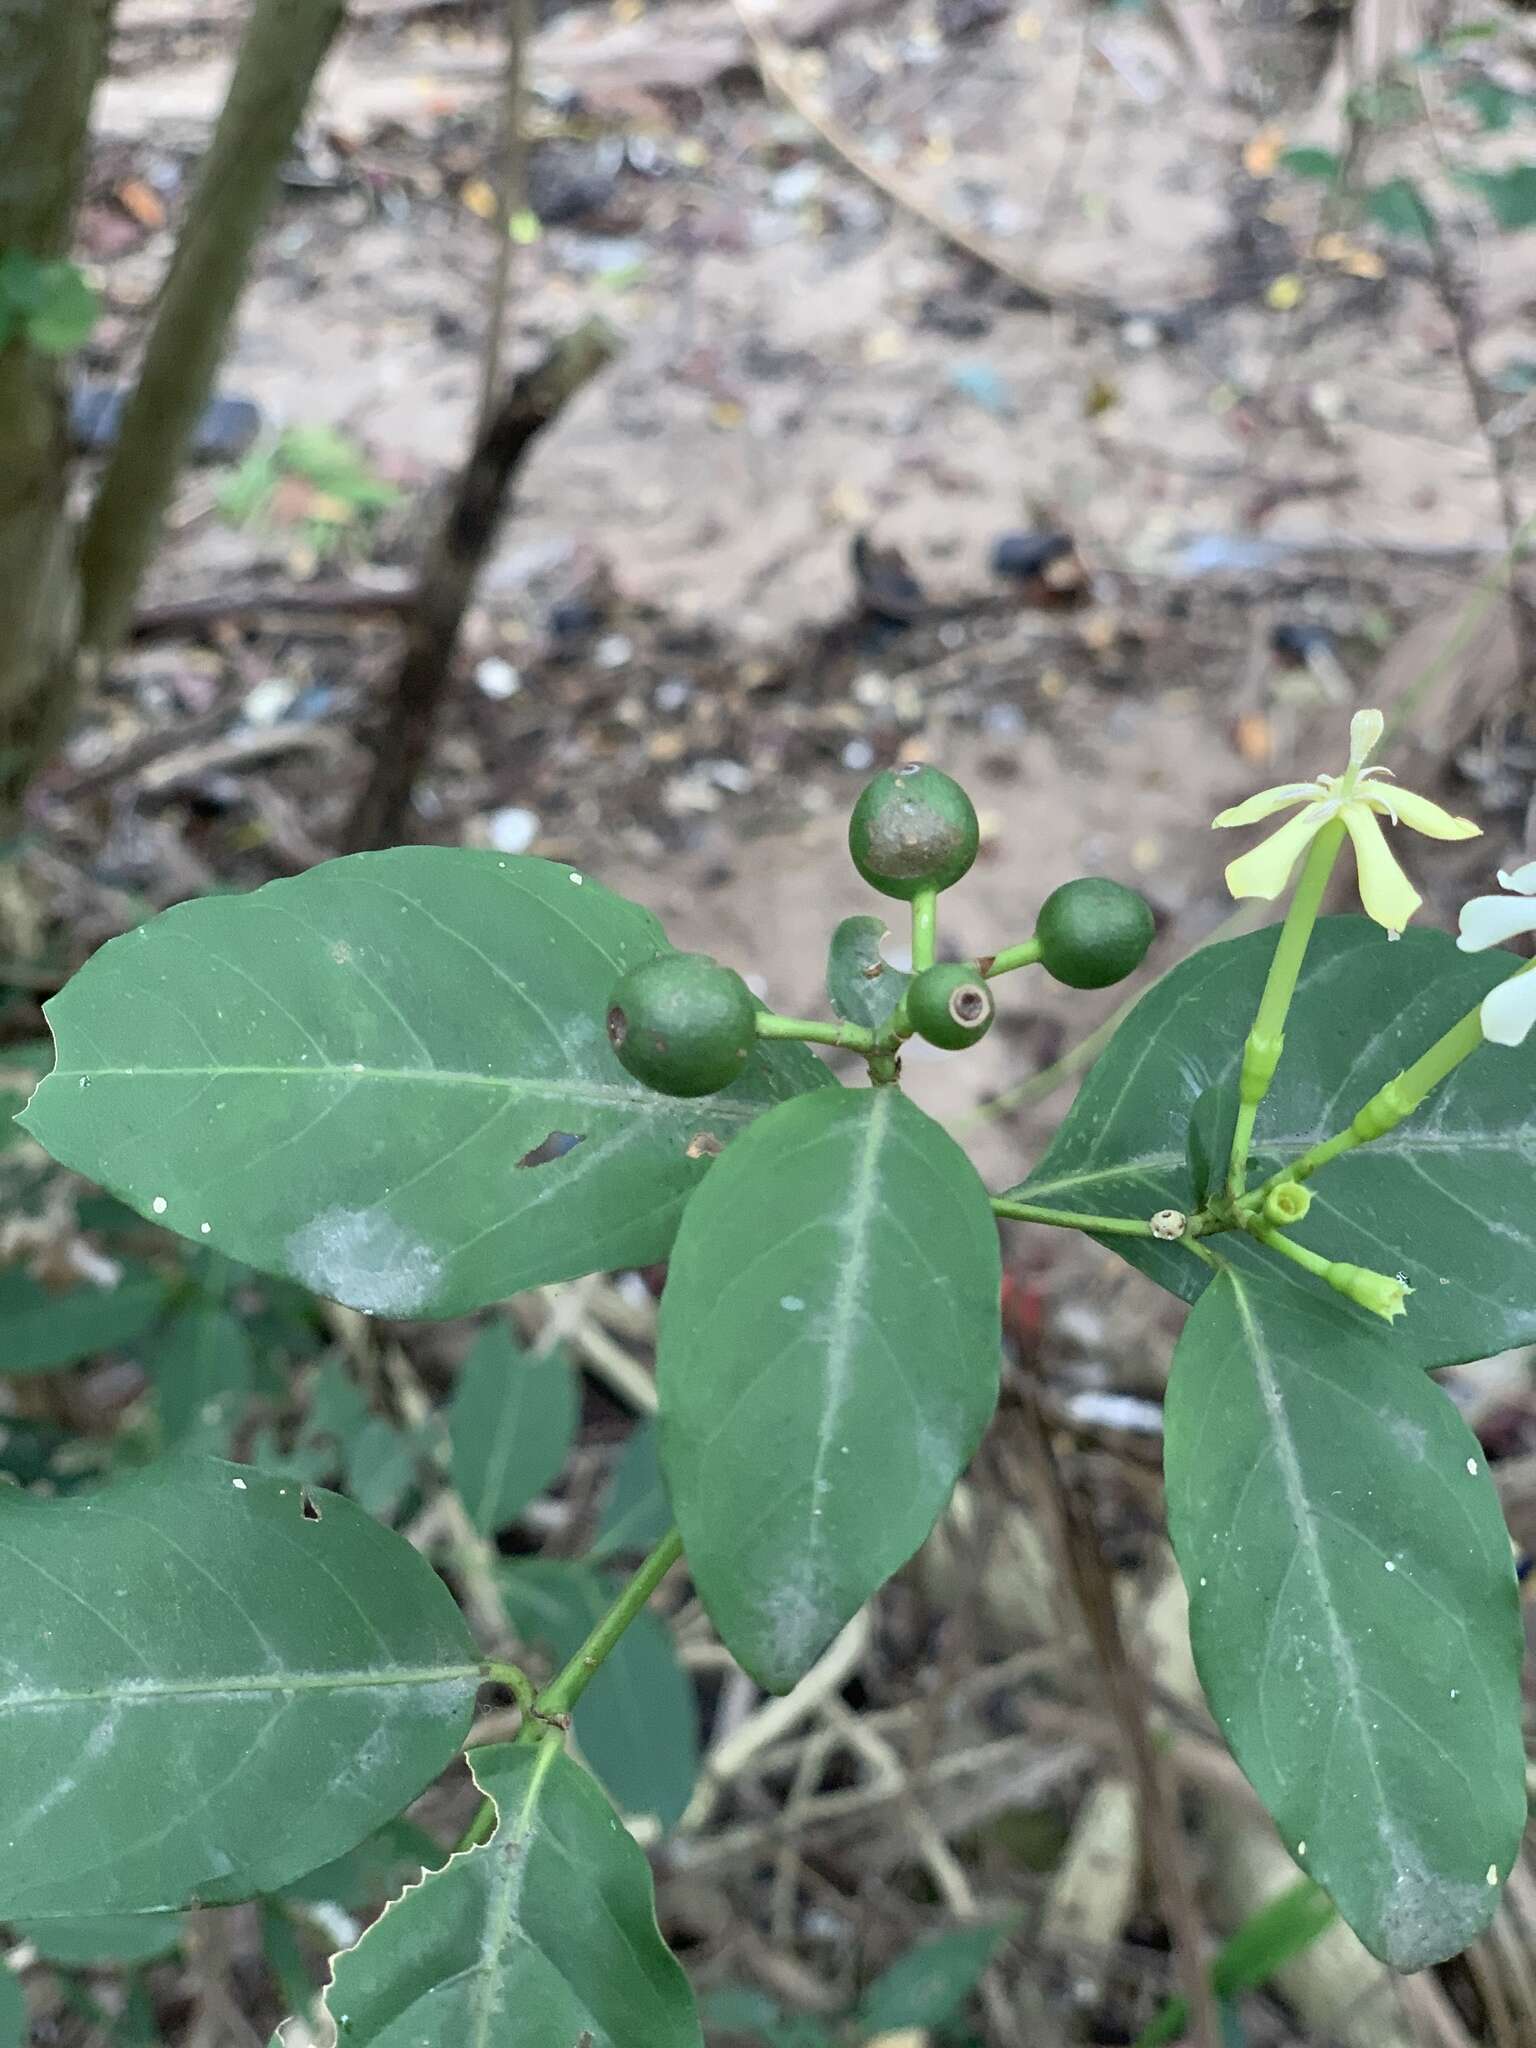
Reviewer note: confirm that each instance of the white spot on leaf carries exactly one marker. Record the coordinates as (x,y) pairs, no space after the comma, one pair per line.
(159,1205)
(364,1258)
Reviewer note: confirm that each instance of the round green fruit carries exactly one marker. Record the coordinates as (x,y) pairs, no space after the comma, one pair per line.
(913,828)
(1093,932)
(682,1023)
(950,1005)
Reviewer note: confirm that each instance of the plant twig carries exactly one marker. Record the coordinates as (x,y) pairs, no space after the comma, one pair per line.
(511,197)
(1088,1577)
(284,44)
(532,402)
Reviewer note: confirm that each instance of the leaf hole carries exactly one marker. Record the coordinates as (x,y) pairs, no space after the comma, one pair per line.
(555,1146)
(309,1510)
(704,1145)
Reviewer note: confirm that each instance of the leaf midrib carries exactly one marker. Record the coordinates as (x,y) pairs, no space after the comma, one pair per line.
(256,1683)
(597,1094)
(1298,1500)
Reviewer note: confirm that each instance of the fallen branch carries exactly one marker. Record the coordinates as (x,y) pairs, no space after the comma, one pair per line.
(776,66)
(451,570)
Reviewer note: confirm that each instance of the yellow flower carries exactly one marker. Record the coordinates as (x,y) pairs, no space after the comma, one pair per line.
(1355,797)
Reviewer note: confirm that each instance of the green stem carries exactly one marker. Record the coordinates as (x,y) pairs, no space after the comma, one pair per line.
(568,1685)
(1395,1099)
(517,1682)
(1266,1039)
(856,1037)
(556,1700)
(1068,1219)
(1024,955)
(925,929)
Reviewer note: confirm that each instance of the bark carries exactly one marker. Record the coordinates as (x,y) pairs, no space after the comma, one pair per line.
(284,44)
(451,570)
(50,55)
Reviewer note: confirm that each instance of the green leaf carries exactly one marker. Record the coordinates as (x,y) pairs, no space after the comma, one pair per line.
(511,1424)
(1511,196)
(637,1721)
(1208,1141)
(545,1935)
(1319,164)
(863,985)
(1494,105)
(1399,207)
(202,1366)
(207,1691)
(930,1984)
(1449,1197)
(739,2011)
(48,302)
(827,1362)
(122,1938)
(390,1859)
(381,1467)
(13,2010)
(41,1331)
(1353,1608)
(637,1513)
(337,1078)
(1267,1940)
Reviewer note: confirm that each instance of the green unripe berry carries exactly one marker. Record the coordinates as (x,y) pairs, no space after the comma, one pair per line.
(950,1005)
(682,1023)
(913,828)
(1093,932)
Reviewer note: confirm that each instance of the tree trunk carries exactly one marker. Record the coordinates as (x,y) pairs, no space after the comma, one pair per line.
(50,54)
(284,44)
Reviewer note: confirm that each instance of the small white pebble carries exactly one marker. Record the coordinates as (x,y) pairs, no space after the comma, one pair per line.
(159,1205)
(238,1485)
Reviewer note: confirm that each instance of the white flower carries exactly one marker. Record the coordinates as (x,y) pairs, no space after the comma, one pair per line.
(1509,1010)
(1356,797)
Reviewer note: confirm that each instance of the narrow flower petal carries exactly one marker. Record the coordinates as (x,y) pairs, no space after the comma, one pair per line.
(1490,920)
(1509,1010)
(1266,868)
(1523,879)
(1388,895)
(1266,803)
(1365,730)
(1419,814)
